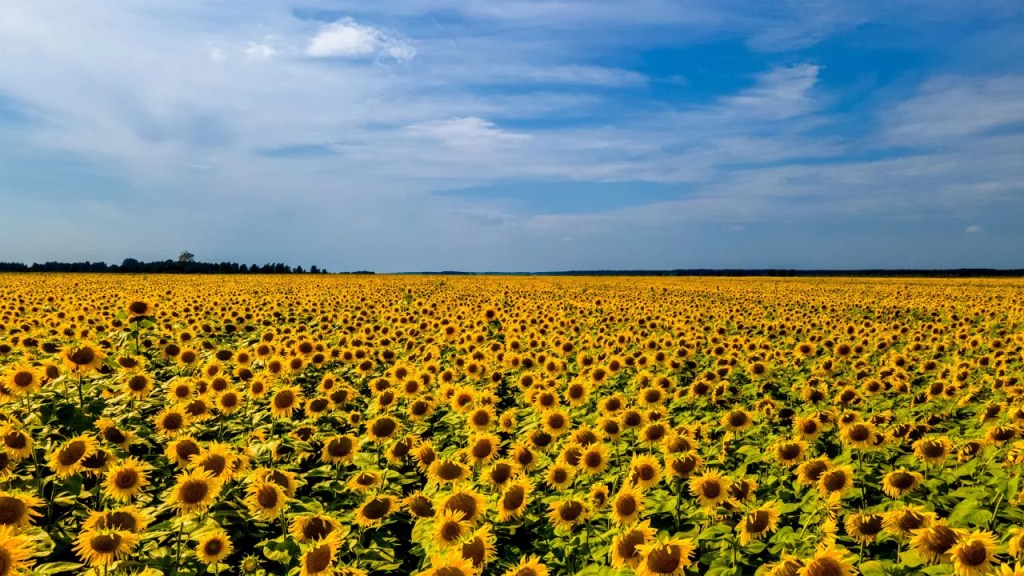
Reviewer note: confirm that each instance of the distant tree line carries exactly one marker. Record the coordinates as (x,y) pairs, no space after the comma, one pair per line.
(180,266)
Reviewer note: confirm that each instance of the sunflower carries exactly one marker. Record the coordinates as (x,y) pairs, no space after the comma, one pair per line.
(900,482)
(364,480)
(624,548)
(789,565)
(181,451)
(380,429)
(339,449)
(836,480)
(217,459)
(471,503)
(974,553)
(375,509)
(859,435)
(556,422)
(668,557)
(318,558)
(1015,546)
(478,548)
(807,428)
(194,491)
(16,443)
(128,518)
(450,564)
(810,471)
(172,421)
(514,499)
(594,459)
(311,527)
(499,474)
(265,499)
(15,552)
(482,448)
(758,522)
(644,471)
(737,420)
(83,358)
(23,379)
(138,309)
(1007,570)
(528,566)
(67,458)
(564,514)
(627,505)
(285,401)
(229,401)
(126,479)
(445,471)
(710,488)
(903,521)
(559,476)
(934,542)
(864,526)
(214,547)
(933,450)
(481,419)
(790,452)
(17,509)
(283,478)
(113,433)
(828,561)
(450,527)
(100,547)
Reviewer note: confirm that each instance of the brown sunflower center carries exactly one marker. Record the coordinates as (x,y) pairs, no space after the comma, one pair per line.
(664,559)
(317,560)
(72,453)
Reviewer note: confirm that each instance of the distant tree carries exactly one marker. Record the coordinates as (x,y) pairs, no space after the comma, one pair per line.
(186,257)
(313,269)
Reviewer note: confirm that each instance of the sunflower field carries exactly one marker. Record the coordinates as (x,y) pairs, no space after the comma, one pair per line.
(510,426)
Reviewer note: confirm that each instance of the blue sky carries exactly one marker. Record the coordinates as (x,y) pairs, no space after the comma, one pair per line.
(515,135)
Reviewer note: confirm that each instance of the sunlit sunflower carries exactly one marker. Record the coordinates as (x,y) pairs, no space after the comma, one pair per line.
(556,422)
(624,547)
(499,474)
(172,421)
(445,471)
(17,509)
(311,527)
(471,503)
(864,526)
(101,547)
(790,452)
(668,557)
(194,491)
(339,449)
(375,509)
(594,459)
(284,401)
(828,561)
(214,547)
(710,488)
(450,527)
(82,358)
(265,499)
(759,522)
(126,479)
(627,505)
(15,552)
(836,480)
(900,482)
(974,553)
(514,499)
(217,459)
(283,478)
(811,471)
(644,471)
(528,566)
(567,513)
(181,450)
(318,558)
(478,547)
(23,379)
(482,448)
(904,521)
(789,565)
(559,476)
(17,443)
(380,429)
(450,564)
(364,480)
(933,450)
(128,518)
(934,542)
(67,458)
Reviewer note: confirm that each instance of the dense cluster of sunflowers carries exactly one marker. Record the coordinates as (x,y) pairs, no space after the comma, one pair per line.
(510,426)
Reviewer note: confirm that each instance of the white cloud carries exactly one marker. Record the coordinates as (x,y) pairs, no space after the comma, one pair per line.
(257,51)
(467,132)
(348,39)
(973,229)
(780,92)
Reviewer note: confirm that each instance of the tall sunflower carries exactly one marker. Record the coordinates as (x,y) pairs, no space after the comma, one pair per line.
(668,557)
(126,479)
(624,548)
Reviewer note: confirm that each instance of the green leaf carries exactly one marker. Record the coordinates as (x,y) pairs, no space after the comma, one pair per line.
(56,567)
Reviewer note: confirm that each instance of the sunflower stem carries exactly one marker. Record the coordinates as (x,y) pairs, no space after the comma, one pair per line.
(81,400)
(177,548)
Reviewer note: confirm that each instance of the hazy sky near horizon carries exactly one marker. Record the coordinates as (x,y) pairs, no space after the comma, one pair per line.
(518,135)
